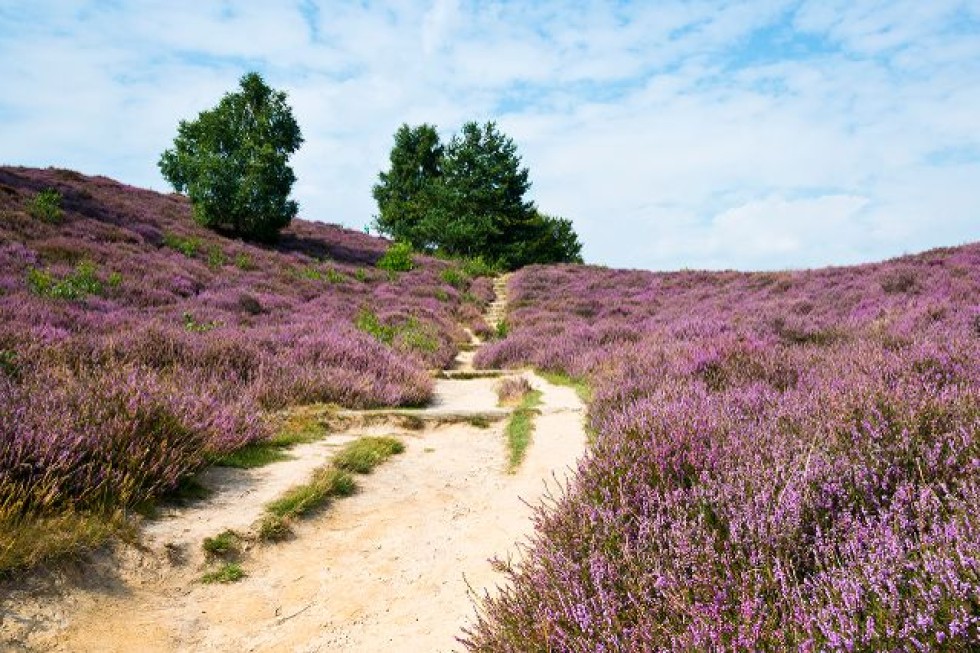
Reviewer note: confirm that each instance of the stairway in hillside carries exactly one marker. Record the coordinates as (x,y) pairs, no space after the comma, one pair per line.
(497,311)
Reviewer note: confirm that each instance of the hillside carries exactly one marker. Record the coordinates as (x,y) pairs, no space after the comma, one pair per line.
(136,346)
(779,461)
(782,461)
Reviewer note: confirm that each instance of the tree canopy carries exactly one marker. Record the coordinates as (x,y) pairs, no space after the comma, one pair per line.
(468,198)
(232,162)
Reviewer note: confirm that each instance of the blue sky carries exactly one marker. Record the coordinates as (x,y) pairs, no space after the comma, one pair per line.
(674,134)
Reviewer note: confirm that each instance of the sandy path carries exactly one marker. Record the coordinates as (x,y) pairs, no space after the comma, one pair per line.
(385,570)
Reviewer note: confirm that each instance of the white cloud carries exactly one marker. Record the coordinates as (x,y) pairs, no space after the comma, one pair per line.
(677,133)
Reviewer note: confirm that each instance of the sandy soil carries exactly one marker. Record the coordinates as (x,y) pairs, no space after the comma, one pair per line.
(388,569)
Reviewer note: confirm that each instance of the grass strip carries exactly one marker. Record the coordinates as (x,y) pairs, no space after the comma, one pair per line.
(364,454)
(520,427)
(331,481)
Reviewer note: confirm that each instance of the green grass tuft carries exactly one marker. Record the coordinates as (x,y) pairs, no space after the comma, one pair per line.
(28,541)
(221,544)
(364,454)
(229,572)
(327,482)
(519,429)
(273,528)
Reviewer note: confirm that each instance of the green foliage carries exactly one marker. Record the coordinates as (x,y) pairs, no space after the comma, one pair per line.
(520,427)
(229,572)
(311,272)
(550,240)
(187,246)
(368,322)
(244,262)
(501,331)
(455,278)
(364,454)
(191,324)
(410,335)
(406,192)
(8,363)
(216,257)
(46,206)
(221,544)
(468,199)
(478,267)
(273,528)
(361,275)
(232,162)
(80,283)
(326,483)
(397,258)
(259,454)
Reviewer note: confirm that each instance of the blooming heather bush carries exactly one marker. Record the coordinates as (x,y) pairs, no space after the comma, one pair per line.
(784,461)
(135,345)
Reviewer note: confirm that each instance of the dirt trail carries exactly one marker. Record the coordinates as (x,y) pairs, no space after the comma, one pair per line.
(384,570)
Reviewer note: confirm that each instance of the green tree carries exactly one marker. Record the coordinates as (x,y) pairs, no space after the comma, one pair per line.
(232,162)
(553,241)
(468,198)
(406,192)
(482,206)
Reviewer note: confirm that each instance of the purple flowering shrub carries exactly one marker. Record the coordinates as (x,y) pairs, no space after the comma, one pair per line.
(783,461)
(135,345)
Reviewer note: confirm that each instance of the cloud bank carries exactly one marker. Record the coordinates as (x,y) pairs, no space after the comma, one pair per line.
(747,135)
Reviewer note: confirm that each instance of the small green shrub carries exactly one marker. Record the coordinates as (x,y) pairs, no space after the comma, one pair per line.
(311,272)
(477,267)
(8,363)
(187,246)
(368,322)
(501,331)
(244,262)
(398,258)
(80,283)
(114,280)
(361,275)
(191,324)
(216,257)
(46,206)
(455,278)
(413,336)
(334,276)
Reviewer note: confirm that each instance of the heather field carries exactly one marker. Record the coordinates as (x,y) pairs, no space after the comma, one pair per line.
(136,347)
(781,461)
